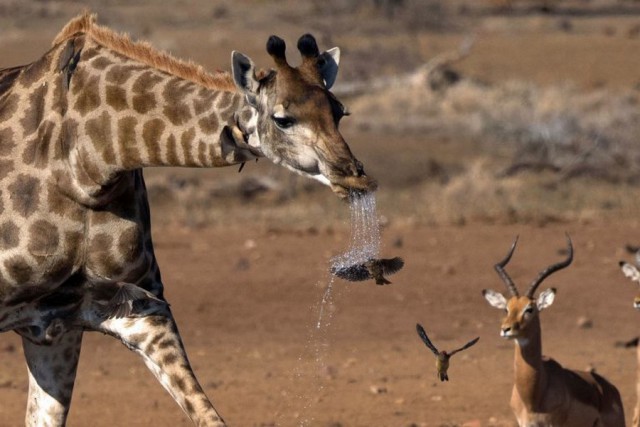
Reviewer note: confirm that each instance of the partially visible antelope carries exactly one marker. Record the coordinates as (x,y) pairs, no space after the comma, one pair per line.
(545,393)
(632,272)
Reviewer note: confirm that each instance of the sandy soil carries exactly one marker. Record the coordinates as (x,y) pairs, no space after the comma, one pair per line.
(249,313)
(248,297)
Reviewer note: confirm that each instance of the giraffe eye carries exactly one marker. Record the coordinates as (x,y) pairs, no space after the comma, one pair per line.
(283,122)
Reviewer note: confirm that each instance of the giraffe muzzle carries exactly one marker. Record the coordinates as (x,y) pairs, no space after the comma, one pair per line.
(354,180)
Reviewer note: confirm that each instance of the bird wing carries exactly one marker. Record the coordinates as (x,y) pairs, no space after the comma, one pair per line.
(426,339)
(464,347)
(353,273)
(121,304)
(390,266)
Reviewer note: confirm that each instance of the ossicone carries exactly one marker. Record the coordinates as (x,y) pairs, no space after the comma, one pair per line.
(276,47)
(308,47)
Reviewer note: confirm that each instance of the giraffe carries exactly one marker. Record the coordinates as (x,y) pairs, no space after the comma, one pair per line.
(77,126)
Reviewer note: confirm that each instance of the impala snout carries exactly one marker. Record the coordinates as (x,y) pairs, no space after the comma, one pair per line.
(509,331)
(636,302)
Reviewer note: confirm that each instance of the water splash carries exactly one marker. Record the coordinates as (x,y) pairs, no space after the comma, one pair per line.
(364,244)
(365,232)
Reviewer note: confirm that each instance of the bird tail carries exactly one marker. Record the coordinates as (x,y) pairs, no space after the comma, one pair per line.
(382,281)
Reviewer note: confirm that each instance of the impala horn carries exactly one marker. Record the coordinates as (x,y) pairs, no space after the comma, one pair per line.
(551,269)
(503,274)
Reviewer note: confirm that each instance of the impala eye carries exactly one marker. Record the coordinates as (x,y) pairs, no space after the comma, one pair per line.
(528,310)
(283,122)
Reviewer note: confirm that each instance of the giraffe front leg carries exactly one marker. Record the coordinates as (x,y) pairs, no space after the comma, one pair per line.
(52,372)
(157,340)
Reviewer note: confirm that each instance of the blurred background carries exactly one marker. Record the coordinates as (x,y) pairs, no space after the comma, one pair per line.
(527,106)
(481,120)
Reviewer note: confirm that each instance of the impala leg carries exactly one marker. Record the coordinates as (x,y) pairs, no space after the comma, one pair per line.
(156,339)
(52,372)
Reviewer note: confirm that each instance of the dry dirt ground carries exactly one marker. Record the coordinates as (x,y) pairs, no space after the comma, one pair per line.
(247,287)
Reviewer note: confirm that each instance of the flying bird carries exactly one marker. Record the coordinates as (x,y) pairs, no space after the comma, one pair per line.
(442,357)
(373,268)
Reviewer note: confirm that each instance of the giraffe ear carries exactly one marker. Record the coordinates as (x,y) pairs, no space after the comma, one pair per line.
(244,74)
(328,66)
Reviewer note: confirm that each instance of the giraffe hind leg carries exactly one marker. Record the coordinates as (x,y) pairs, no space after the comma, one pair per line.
(156,339)
(52,372)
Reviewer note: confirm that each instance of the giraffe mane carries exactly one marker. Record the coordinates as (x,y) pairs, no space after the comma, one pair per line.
(143,51)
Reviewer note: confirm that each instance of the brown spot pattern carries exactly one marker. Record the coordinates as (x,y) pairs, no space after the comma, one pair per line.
(44,238)
(130,243)
(6,167)
(88,93)
(37,150)
(9,235)
(170,359)
(6,141)
(172,150)
(186,141)
(204,102)
(68,136)
(101,63)
(202,152)
(209,125)
(99,130)
(175,109)
(25,195)
(8,106)
(61,205)
(118,74)
(34,71)
(127,142)
(34,112)
(18,269)
(117,98)
(151,133)
(144,99)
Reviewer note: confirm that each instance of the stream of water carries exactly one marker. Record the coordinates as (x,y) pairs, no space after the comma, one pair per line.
(364,243)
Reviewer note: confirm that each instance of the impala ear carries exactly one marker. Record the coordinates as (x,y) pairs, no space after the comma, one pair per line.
(545,299)
(495,299)
(630,271)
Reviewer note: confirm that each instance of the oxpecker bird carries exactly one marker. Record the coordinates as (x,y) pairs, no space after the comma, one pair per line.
(373,268)
(442,357)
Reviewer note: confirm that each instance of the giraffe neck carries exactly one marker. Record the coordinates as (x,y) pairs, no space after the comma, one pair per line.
(122,115)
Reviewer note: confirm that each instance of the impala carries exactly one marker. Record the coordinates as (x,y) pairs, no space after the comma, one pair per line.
(544,393)
(631,271)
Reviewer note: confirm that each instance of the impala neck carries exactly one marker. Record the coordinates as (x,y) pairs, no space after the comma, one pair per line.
(530,377)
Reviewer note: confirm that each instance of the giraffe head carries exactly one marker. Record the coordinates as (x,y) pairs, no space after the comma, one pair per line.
(632,272)
(522,311)
(297,117)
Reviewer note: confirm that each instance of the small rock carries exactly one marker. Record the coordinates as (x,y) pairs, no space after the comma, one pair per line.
(584,322)
(375,389)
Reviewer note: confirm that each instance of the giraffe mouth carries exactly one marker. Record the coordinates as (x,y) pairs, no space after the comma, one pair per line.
(343,186)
